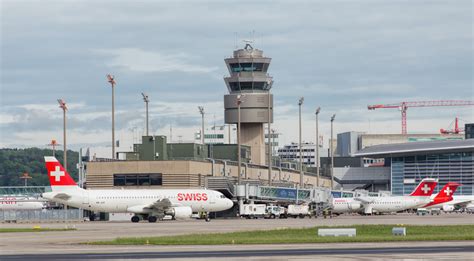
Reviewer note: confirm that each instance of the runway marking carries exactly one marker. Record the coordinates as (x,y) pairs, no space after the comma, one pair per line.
(249,253)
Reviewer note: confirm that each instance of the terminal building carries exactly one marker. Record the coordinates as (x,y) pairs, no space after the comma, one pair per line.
(157,163)
(409,163)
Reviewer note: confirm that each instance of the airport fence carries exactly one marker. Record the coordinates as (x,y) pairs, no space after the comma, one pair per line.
(45,215)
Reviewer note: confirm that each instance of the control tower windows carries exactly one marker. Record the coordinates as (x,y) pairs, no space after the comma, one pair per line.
(248,67)
(249,86)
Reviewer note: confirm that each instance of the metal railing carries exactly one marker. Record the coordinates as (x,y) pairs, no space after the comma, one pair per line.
(45,215)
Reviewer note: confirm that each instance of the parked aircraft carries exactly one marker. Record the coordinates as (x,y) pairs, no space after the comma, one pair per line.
(20,203)
(150,204)
(419,197)
(444,195)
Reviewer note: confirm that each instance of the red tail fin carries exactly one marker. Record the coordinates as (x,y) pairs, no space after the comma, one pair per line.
(448,190)
(425,188)
(57,175)
(445,194)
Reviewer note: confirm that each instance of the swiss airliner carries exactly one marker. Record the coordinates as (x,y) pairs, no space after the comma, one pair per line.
(421,196)
(149,204)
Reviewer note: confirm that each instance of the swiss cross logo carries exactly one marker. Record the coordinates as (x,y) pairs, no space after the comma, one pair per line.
(57,174)
(448,191)
(426,189)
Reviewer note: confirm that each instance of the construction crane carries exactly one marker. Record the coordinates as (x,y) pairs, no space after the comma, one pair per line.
(403,106)
(456,129)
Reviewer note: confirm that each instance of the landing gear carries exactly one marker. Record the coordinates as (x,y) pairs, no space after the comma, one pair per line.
(135,219)
(152,219)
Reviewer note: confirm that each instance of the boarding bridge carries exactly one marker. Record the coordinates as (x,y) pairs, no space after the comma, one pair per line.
(282,194)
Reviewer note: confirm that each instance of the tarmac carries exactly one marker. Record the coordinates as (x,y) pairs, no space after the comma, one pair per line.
(63,245)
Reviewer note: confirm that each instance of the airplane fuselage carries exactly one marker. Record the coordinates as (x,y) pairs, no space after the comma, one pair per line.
(117,201)
(395,204)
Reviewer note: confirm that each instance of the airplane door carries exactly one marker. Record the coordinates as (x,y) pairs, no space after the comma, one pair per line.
(85,198)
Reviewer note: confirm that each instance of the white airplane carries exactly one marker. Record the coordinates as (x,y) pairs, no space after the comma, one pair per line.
(421,196)
(151,204)
(466,202)
(444,197)
(20,203)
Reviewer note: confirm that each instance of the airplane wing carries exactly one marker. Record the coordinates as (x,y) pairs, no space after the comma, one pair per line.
(364,200)
(159,206)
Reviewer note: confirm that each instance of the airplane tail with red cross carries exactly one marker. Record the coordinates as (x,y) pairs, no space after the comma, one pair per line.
(445,194)
(59,178)
(425,188)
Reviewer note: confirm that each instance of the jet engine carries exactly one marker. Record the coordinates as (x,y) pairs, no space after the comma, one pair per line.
(448,208)
(180,212)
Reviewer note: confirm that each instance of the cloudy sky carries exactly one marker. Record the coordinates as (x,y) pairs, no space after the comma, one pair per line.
(340,55)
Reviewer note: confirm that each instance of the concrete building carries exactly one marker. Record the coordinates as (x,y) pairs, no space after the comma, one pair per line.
(291,152)
(409,163)
(249,82)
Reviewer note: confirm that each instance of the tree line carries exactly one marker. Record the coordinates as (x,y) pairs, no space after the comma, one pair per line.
(15,162)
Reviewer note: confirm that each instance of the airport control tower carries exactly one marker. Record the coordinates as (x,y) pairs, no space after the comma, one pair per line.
(249,79)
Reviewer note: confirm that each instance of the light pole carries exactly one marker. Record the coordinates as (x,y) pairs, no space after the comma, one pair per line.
(300,102)
(111,80)
(317,146)
(269,142)
(63,106)
(239,101)
(146,100)
(201,110)
(332,153)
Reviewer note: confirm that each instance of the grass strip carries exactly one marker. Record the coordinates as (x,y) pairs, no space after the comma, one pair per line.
(365,233)
(14,230)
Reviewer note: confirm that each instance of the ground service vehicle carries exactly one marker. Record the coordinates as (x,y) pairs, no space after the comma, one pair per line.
(298,211)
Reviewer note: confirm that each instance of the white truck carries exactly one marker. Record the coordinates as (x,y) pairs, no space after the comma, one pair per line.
(275,212)
(295,211)
(253,211)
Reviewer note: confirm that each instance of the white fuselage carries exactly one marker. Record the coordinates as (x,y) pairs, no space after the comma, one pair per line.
(346,205)
(14,203)
(395,204)
(465,200)
(116,201)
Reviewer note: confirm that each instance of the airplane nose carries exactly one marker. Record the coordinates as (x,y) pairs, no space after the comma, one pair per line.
(229,203)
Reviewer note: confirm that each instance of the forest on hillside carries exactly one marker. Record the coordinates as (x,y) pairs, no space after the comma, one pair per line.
(15,162)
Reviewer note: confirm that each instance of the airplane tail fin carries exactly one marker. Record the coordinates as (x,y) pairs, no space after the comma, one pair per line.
(58,177)
(425,188)
(448,190)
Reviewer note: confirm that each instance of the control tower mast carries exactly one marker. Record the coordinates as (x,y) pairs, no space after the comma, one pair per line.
(249,78)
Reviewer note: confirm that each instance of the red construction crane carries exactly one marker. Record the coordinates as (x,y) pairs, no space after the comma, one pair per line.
(456,129)
(403,106)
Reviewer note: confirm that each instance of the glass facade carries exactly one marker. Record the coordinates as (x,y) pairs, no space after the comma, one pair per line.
(408,171)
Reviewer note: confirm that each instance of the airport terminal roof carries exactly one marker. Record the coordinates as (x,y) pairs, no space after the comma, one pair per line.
(414,148)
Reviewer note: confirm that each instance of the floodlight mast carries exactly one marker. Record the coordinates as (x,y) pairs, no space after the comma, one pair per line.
(300,103)
(62,105)
(332,152)
(146,100)
(318,110)
(111,80)
(201,111)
